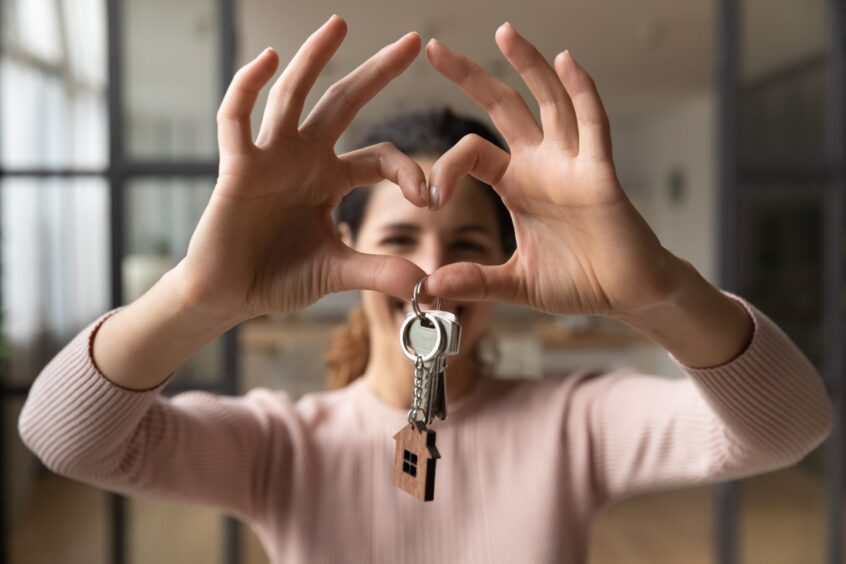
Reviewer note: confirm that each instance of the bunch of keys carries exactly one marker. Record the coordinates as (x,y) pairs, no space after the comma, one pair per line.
(427,339)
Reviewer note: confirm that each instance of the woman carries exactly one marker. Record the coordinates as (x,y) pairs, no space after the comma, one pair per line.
(526,466)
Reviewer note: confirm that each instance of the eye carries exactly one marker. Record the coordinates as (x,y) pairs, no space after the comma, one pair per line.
(398,241)
(468,245)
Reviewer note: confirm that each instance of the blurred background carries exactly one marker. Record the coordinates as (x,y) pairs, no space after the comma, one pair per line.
(727,119)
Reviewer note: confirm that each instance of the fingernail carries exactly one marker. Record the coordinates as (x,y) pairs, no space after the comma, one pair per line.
(435,201)
(424,192)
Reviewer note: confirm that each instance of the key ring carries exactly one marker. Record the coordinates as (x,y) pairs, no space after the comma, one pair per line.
(415,305)
(404,342)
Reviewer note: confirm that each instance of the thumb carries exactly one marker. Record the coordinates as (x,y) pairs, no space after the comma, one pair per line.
(390,275)
(475,282)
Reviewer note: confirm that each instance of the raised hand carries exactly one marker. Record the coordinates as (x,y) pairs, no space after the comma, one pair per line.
(266,241)
(581,245)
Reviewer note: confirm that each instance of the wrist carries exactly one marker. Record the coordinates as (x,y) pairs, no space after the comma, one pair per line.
(696,322)
(140,346)
(670,279)
(197,310)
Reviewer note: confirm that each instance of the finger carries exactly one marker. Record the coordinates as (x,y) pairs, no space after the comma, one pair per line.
(390,275)
(506,107)
(233,117)
(594,131)
(472,155)
(343,100)
(384,161)
(557,115)
(475,282)
(288,94)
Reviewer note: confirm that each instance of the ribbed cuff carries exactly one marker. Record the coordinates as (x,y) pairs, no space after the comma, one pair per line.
(770,392)
(757,318)
(92,332)
(73,408)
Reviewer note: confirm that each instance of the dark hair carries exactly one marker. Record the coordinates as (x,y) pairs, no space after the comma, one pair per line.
(425,133)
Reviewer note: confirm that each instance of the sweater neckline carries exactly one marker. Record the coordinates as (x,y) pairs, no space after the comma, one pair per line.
(369,396)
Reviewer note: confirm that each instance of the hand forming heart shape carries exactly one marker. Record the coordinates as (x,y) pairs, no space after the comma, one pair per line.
(266,241)
(581,245)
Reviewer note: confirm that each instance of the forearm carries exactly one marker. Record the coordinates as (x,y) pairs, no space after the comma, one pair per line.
(143,343)
(698,324)
(762,409)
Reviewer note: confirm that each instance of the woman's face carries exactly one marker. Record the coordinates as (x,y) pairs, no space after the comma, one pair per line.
(464,230)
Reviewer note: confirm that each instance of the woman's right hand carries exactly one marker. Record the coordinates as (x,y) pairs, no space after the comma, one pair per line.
(266,241)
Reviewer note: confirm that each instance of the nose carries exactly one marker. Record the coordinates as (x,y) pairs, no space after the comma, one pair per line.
(430,255)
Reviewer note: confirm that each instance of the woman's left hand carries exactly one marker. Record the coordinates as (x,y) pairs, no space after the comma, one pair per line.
(582,247)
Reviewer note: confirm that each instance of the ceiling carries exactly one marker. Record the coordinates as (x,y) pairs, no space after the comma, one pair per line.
(644,55)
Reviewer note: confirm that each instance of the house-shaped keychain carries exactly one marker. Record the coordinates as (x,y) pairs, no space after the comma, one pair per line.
(414,461)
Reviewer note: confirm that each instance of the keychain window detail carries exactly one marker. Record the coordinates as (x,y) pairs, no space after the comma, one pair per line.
(409,464)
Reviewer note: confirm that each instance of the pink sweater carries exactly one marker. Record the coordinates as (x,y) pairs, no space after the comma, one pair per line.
(525,465)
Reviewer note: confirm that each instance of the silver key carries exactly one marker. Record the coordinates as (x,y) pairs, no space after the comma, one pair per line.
(434,345)
(428,339)
(438,375)
(453,329)
(422,339)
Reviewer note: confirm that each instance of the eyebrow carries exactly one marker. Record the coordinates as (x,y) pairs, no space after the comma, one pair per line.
(469,228)
(401,227)
(472,228)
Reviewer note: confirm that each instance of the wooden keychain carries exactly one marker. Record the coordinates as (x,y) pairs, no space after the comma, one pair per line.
(427,339)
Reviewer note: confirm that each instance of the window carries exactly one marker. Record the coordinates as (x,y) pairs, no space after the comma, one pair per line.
(409,463)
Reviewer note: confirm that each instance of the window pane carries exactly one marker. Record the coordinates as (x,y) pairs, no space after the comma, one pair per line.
(172,86)
(55,277)
(161,215)
(783,59)
(780,259)
(85,26)
(43,505)
(37,24)
(53,97)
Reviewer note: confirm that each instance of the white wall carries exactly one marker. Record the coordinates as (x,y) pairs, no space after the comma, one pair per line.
(649,151)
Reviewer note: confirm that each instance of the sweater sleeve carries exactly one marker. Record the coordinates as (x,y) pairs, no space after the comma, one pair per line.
(765,409)
(196,446)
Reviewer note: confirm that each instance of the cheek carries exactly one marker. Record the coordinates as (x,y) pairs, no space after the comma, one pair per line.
(475,322)
(383,315)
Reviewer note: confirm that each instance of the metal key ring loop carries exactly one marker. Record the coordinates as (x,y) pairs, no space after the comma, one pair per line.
(415,293)
(405,344)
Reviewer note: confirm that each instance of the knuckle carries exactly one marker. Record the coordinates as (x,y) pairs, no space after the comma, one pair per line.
(472,140)
(224,115)
(283,89)
(386,147)
(339,92)
(240,75)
